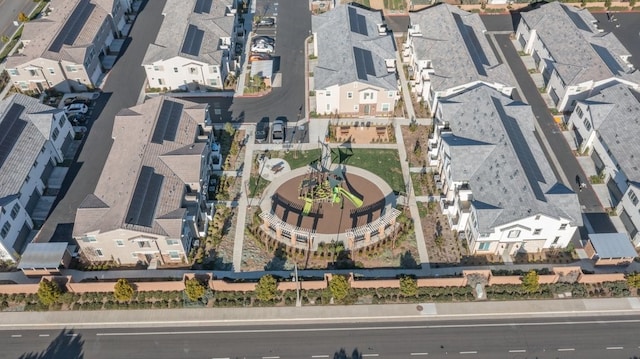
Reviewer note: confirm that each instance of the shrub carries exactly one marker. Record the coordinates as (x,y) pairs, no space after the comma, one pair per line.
(48,292)
(530,282)
(194,289)
(123,291)
(267,288)
(633,280)
(339,287)
(408,286)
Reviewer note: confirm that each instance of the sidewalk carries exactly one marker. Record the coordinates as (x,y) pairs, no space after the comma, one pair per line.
(421,312)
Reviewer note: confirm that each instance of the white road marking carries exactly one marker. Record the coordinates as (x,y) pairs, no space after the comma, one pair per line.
(72,334)
(270,357)
(419,354)
(221,358)
(370,355)
(517,351)
(471,352)
(615,348)
(319,356)
(16,335)
(566,349)
(43,335)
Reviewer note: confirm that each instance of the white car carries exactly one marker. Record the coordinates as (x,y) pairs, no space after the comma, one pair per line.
(262,48)
(76,108)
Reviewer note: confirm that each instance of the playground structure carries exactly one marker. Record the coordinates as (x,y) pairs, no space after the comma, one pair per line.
(326,203)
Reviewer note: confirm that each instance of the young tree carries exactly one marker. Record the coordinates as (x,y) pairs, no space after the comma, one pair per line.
(408,286)
(22,17)
(194,289)
(633,280)
(49,292)
(339,287)
(267,288)
(4,39)
(530,281)
(123,291)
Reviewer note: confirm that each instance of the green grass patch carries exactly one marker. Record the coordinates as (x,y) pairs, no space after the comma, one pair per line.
(363,2)
(257,185)
(618,8)
(595,8)
(423,211)
(394,4)
(297,159)
(416,180)
(382,162)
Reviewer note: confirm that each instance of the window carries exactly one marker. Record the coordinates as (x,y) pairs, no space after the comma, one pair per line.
(89,239)
(538,217)
(144,244)
(13,72)
(5,229)
(51,71)
(55,133)
(327,93)
(119,243)
(175,69)
(484,246)
(42,149)
(160,81)
(172,242)
(23,85)
(174,255)
(35,164)
(192,70)
(328,107)
(156,68)
(368,95)
(349,94)
(33,73)
(213,82)
(385,107)
(563,226)
(537,231)
(15,210)
(99,252)
(356,107)
(633,197)
(555,241)
(213,69)
(587,124)
(514,233)
(579,112)
(27,179)
(71,68)
(391,94)
(134,255)
(60,122)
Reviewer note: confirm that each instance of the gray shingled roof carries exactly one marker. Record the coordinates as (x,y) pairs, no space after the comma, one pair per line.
(612,245)
(616,118)
(26,148)
(336,62)
(53,37)
(460,53)
(43,255)
(179,15)
(134,147)
(580,53)
(493,147)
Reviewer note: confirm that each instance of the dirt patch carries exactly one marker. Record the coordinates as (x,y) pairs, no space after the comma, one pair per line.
(416,139)
(443,246)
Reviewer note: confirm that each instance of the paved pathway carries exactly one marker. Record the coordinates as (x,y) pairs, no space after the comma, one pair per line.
(406,95)
(243,201)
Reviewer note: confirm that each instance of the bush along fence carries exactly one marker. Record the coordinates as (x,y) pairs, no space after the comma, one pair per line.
(61,293)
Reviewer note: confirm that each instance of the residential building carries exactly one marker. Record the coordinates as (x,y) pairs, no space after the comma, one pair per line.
(448,51)
(63,49)
(148,205)
(356,70)
(607,128)
(195,47)
(575,58)
(609,249)
(33,139)
(499,191)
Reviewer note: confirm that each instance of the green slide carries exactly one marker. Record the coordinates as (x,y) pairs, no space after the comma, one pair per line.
(355,200)
(308,203)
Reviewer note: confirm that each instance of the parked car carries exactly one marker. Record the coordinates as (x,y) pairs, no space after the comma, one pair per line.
(279,131)
(263,39)
(262,48)
(76,108)
(266,21)
(259,57)
(262,130)
(76,118)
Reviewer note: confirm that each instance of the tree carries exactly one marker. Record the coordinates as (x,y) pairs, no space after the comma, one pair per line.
(633,280)
(530,281)
(4,39)
(123,291)
(339,287)
(267,288)
(408,286)
(194,289)
(22,17)
(49,292)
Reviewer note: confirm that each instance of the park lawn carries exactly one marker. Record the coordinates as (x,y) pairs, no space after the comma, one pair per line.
(416,180)
(297,159)
(257,185)
(382,162)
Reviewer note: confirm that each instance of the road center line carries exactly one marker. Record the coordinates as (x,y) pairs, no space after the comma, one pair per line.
(370,355)
(270,357)
(221,358)
(566,349)
(471,352)
(319,356)
(517,351)
(16,335)
(43,335)
(418,354)
(615,348)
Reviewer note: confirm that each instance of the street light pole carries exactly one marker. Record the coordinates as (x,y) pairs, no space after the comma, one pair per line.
(295,269)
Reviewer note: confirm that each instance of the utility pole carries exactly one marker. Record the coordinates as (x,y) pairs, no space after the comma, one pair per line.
(295,269)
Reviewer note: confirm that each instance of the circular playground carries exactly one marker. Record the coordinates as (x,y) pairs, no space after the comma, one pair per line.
(318,204)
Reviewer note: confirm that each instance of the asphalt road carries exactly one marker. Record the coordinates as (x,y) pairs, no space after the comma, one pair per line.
(612,337)
(9,10)
(598,219)
(293,25)
(121,90)
(627,30)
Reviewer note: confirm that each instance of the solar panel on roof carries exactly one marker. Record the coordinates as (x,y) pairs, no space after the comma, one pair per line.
(10,129)
(357,22)
(73,26)
(192,41)
(145,198)
(364,63)
(203,6)
(168,120)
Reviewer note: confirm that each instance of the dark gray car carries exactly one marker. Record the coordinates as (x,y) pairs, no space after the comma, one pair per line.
(262,130)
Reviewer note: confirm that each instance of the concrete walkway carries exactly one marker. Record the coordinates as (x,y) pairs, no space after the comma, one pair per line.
(422,312)
(406,95)
(243,201)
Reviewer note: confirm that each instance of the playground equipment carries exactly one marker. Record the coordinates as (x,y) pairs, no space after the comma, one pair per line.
(337,191)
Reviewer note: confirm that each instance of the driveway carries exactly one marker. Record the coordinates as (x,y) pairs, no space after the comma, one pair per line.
(569,166)
(122,89)
(293,26)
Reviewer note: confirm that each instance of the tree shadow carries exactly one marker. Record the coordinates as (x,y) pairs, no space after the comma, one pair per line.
(342,354)
(279,259)
(408,261)
(67,345)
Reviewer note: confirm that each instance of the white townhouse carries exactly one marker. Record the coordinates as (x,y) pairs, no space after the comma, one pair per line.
(447,51)
(195,47)
(576,58)
(607,128)
(63,49)
(499,190)
(33,139)
(149,204)
(356,70)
